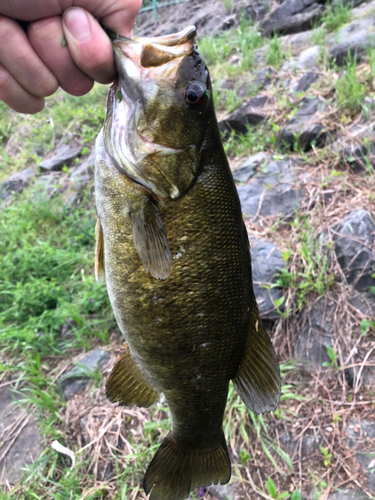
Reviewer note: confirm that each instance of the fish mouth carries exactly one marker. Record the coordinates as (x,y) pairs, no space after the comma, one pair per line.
(156,51)
(159,149)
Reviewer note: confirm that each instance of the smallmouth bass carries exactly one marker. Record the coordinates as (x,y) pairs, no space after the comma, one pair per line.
(174,249)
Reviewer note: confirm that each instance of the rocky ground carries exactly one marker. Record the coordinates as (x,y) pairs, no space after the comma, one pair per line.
(297,122)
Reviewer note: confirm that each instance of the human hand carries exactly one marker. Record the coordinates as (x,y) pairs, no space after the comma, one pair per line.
(33,64)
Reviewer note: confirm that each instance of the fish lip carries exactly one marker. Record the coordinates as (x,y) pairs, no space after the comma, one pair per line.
(159,148)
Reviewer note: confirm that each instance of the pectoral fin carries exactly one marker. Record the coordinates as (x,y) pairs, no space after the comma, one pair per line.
(257,380)
(127,385)
(99,252)
(151,243)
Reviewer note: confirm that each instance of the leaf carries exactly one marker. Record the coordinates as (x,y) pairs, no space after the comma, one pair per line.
(271,488)
(296,495)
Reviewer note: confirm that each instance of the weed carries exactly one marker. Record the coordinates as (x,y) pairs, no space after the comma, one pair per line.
(351,92)
(336,15)
(333,356)
(274,52)
(326,456)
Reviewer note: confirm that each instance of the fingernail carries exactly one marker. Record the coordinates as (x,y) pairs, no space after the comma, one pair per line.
(77,23)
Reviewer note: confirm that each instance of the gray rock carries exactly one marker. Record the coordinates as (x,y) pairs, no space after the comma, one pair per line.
(16,183)
(26,448)
(249,166)
(78,378)
(293,16)
(249,114)
(64,155)
(304,128)
(308,58)
(267,261)
(357,147)
(361,439)
(261,79)
(306,81)
(316,335)
(348,494)
(84,172)
(354,37)
(355,248)
(272,191)
(223,491)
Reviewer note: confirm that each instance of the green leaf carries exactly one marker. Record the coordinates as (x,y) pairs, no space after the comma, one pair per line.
(296,495)
(271,488)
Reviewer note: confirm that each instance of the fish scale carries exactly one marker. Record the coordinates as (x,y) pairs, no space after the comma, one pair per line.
(174,250)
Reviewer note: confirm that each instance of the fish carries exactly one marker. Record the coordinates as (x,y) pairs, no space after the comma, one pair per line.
(173,248)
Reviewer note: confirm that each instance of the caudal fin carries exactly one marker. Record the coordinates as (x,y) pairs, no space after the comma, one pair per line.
(175,470)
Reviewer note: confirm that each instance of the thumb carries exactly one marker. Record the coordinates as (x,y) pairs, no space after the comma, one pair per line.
(88,45)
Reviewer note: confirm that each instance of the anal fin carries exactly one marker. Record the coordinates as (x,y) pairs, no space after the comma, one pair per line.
(150,240)
(99,252)
(127,385)
(257,380)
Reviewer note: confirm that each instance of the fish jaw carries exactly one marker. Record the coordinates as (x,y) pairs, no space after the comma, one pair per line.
(150,132)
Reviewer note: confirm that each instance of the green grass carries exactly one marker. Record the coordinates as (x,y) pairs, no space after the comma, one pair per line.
(29,137)
(350,90)
(337,15)
(274,53)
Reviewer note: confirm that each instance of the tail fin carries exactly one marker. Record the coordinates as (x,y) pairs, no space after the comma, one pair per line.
(175,470)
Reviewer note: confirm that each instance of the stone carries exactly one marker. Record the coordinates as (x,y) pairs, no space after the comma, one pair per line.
(293,16)
(305,82)
(271,191)
(84,172)
(355,37)
(77,379)
(249,114)
(308,58)
(361,440)
(304,128)
(26,447)
(357,147)
(63,155)
(266,262)
(248,167)
(223,491)
(16,183)
(355,248)
(348,494)
(261,79)
(316,335)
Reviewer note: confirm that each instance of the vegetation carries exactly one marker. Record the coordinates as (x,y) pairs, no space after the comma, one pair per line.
(52,310)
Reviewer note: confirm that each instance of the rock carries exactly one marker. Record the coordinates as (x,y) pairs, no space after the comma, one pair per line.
(249,114)
(248,167)
(361,440)
(354,247)
(267,261)
(78,378)
(63,155)
(25,448)
(223,491)
(357,147)
(316,335)
(305,82)
(293,16)
(271,192)
(355,37)
(348,494)
(308,58)
(84,172)
(16,183)
(304,128)
(310,445)
(261,79)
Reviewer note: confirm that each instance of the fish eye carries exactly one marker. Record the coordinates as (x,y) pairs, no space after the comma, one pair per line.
(194,94)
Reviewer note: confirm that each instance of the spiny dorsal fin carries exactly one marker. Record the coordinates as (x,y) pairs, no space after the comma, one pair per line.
(127,385)
(257,380)
(151,243)
(99,252)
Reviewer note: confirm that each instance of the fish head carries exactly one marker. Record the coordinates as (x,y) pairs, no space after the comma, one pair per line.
(158,111)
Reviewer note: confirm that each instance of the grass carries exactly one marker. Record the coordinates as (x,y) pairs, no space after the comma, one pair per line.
(337,15)
(52,310)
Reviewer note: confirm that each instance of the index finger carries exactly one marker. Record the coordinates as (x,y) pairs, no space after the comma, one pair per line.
(118,15)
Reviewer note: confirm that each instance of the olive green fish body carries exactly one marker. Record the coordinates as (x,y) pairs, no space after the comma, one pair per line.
(178,271)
